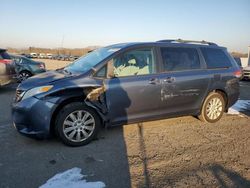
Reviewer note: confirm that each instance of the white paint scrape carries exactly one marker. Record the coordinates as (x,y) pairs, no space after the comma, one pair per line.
(71,179)
(239,106)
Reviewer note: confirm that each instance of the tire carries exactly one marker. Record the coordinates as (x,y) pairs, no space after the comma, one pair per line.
(23,75)
(212,114)
(71,125)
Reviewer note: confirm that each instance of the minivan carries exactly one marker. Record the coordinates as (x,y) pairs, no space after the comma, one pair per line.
(127,83)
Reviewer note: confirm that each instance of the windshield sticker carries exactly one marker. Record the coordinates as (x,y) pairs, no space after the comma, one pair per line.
(114,49)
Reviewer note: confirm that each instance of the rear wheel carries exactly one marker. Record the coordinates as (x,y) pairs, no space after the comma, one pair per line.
(77,124)
(212,108)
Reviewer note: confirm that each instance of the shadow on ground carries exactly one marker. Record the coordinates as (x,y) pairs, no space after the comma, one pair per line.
(209,175)
(212,175)
(30,163)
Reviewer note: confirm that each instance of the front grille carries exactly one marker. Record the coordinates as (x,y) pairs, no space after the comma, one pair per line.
(19,95)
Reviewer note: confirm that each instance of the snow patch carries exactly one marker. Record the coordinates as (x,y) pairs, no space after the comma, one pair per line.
(239,106)
(71,178)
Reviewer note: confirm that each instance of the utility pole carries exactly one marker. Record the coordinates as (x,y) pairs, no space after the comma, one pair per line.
(62,42)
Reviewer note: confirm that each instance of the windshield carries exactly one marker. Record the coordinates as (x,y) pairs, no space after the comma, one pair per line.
(85,63)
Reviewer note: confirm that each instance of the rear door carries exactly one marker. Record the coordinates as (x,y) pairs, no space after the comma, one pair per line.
(134,93)
(184,80)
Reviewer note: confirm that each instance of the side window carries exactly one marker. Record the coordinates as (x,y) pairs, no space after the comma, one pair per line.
(20,60)
(177,59)
(135,62)
(215,58)
(17,60)
(102,72)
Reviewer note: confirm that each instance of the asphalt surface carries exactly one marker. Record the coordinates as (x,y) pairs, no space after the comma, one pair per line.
(177,152)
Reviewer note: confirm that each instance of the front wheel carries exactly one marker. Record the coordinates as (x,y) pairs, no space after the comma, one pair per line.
(212,108)
(77,124)
(23,75)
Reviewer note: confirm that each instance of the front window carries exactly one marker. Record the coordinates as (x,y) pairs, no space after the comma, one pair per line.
(135,62)
(90,60)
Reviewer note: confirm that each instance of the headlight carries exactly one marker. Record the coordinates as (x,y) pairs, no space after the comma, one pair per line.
(36,90)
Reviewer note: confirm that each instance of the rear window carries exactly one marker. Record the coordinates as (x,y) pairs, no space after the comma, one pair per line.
(215,58)
(177,59)
(4,55)
(238,61)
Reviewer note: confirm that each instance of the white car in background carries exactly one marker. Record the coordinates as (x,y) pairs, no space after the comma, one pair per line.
(49,56)
(33,55)
(42,56)
(246,73)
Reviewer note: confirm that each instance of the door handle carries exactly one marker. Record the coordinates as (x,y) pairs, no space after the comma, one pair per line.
(153,81)
(169,79)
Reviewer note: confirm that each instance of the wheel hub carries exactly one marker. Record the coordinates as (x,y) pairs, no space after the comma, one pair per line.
(214,108)
(78,126)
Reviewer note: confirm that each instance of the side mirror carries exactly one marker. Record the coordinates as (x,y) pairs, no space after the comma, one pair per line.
(110,69)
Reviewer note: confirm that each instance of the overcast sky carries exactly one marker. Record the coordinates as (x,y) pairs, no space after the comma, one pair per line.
(81,23)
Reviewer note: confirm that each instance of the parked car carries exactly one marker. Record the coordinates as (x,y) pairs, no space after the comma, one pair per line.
(127,83)
(73,58)
(33,55)
(62,57)
(7,70)
(25,67)
(49,56)
(246,73)
(26,55)
(42,56)
(54,56)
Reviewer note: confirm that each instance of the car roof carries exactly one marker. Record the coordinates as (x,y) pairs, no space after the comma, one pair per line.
(168,43)
(2,50)
(19,56)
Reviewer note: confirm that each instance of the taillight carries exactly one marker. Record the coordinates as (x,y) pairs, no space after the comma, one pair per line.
(42,66)
(238,73)
(5,61)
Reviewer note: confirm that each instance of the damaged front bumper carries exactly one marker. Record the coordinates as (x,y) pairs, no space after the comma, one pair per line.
(32,117)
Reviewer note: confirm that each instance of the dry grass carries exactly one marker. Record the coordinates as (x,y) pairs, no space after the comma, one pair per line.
(53,64)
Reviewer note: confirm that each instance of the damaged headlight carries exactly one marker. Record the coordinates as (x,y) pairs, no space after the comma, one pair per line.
(36,91)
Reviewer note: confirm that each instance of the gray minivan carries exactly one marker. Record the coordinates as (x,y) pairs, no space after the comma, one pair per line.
(127,83)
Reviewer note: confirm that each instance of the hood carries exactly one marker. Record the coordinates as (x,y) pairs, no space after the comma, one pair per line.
(42,79)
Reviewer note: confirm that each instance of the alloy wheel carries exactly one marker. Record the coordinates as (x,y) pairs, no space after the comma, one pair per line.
(78,126)
(214,108)
(23,76)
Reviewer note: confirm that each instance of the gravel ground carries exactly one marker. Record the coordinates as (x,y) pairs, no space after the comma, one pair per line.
(176,152)
(52,64)
(183,152)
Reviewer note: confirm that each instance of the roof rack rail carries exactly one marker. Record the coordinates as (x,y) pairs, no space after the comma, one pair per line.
(188,41)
